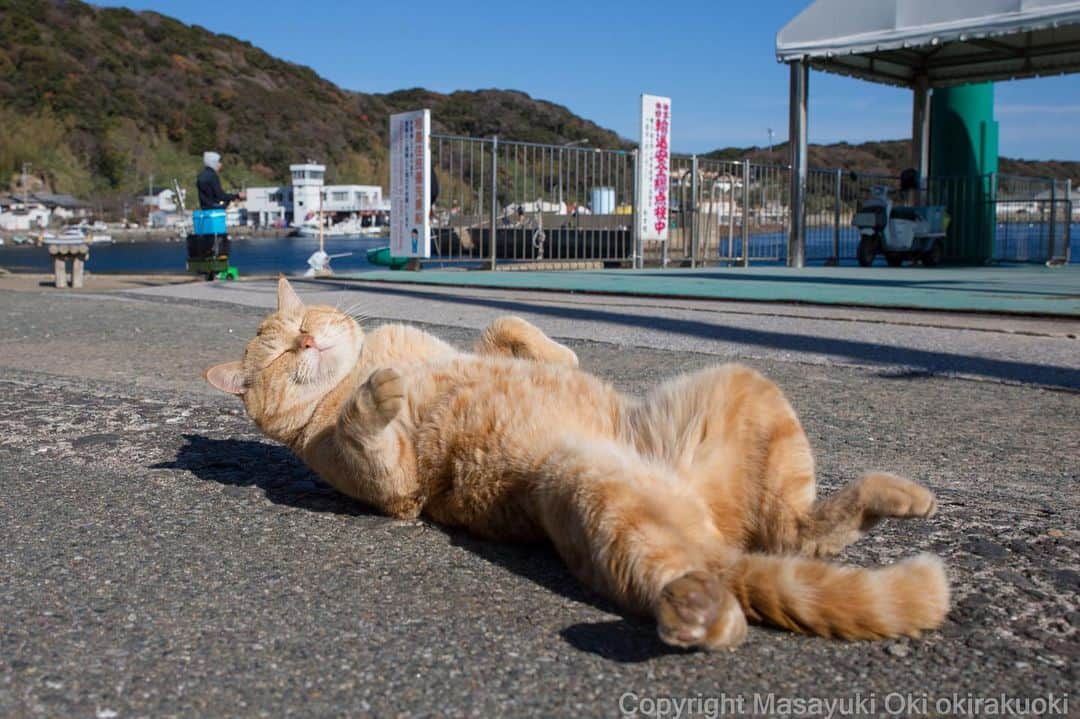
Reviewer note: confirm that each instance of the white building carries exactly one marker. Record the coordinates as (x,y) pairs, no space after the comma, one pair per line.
(164,207)
(299,203)
(164,199)
(15,215)
(39,210)
(269,206)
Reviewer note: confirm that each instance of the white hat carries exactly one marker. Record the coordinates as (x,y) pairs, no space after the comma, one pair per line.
(211,160)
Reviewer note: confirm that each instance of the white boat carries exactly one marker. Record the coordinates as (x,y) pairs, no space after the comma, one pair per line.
(350,227)
(66,238)
(76,234)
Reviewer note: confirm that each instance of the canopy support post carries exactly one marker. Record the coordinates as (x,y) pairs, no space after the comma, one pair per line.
(800,73)
(920,130)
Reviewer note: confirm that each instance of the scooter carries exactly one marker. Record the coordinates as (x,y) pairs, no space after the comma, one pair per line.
(899,232)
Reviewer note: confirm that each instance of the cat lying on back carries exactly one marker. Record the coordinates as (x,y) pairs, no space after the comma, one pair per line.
(695,505)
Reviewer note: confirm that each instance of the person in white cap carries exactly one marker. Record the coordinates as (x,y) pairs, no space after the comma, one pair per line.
(211,196)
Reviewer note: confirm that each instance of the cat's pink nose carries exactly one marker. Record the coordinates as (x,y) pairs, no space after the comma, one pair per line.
(306,341)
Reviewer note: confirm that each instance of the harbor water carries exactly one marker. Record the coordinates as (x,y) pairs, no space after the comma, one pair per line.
(251,255)
(269,255)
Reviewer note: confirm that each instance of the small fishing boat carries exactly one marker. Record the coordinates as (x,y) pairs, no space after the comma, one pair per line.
(74,234)
(381,257)
(356,225)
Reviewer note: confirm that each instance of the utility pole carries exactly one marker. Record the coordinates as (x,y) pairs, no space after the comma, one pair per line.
(770,131)
(150,201)
(25,189)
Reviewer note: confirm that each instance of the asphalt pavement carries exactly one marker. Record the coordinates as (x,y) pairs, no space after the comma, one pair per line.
(158,557)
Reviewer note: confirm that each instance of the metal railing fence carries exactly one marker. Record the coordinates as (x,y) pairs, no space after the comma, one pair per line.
(509,203)
(1033,218)
(526,202)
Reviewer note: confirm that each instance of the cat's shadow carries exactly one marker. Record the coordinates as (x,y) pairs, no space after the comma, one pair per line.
(271,468)
(625,640)
(284,479)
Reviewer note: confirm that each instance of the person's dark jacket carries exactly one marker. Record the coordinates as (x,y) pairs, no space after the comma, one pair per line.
(211,196)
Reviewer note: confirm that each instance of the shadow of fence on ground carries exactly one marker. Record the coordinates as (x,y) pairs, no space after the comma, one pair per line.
(862,352)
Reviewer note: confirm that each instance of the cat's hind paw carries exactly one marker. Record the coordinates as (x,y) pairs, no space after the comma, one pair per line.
(696,610)
(886,495)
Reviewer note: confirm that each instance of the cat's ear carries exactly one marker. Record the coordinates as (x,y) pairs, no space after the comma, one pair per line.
(228,377)
(288,302)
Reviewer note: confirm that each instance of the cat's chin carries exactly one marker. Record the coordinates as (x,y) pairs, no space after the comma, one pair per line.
(311,369)
(320,368)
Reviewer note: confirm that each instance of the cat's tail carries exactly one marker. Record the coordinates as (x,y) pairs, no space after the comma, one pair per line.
(511,336)
(832,600)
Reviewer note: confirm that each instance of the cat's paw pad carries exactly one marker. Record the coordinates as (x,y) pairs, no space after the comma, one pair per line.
(387,393)
(696,610)
(890,496)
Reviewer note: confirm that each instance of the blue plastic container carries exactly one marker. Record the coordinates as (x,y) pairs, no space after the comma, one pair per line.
(208,222)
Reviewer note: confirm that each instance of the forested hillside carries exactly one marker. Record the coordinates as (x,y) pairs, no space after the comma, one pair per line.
(100,99)
(889,158)
(97,99)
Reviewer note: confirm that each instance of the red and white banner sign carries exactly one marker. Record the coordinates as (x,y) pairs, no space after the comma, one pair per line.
(410,184)
(654,168)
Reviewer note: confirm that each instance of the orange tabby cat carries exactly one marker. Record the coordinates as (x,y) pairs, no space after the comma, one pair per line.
(695,504)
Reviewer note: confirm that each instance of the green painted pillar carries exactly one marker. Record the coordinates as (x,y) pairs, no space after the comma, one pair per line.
(963,167)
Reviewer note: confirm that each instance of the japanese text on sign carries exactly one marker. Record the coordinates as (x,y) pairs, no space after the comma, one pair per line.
(654,177)
(410,183)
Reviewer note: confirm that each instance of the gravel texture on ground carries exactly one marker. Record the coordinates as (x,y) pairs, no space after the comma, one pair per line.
(158,557)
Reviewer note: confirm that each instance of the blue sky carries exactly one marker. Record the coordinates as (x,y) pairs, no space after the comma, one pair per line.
(714,58)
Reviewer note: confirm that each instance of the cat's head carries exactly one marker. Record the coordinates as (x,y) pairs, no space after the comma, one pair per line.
(298,355)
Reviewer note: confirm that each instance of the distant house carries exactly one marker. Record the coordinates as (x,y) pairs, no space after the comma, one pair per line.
(1043,198)
(161,218)
(1038,204)
(23,215)
(164,206)
(62,207)
(163,198)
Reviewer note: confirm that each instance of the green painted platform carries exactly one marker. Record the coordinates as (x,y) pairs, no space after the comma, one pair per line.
(1015,290)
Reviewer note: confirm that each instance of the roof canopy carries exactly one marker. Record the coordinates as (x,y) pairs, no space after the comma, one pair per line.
(948,41)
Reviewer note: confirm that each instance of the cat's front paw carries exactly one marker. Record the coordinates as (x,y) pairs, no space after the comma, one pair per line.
(386,390)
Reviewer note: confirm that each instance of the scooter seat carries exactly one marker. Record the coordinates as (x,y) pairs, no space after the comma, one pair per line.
(904,213)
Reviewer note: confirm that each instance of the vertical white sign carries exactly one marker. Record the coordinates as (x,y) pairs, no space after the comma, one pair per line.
(654,175)
(410,184)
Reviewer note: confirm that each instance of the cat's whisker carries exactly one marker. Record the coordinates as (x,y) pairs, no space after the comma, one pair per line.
(351,309)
